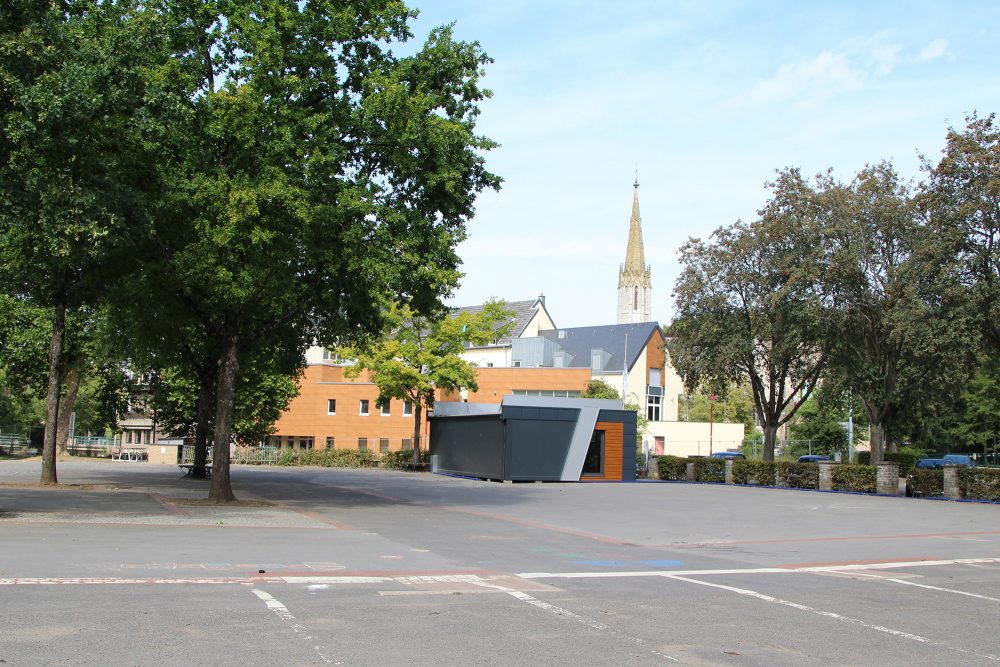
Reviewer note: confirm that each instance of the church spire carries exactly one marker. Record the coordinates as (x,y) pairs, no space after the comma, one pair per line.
(635,284)
(635,258)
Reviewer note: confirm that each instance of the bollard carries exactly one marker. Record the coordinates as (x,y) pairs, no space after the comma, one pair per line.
(729,471)
(887,479)
(951,488)
(826,475)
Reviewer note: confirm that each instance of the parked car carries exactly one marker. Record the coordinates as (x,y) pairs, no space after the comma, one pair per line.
(814,458)
(929,463)
(958,460)
(728,455)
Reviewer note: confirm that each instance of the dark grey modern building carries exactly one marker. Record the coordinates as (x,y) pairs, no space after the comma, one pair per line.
(531,438)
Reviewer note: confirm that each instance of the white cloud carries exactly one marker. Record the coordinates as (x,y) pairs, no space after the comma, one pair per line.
(817,78)
(933,51)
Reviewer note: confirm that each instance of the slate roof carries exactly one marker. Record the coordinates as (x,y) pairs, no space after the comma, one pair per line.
(523,312)
(577,343)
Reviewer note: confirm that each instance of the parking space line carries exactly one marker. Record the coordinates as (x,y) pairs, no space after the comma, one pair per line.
(281,611)
(559,611)
(838,617)
(927,586)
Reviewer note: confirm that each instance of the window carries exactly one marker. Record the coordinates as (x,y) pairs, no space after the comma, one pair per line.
(329,442)
(635,299)
(593,465)
(383,408)
(383,445)
(654,377)
(331,406)
(556,393)
(305,443)
(407,408)
(407,443)
(329,355)
(362,443)
(364,407)
(653,408)
(128,436)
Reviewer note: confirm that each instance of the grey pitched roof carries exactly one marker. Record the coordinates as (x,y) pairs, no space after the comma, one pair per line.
(523,312)
(578,343)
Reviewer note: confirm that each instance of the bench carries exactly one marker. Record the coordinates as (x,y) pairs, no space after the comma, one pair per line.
(188,469)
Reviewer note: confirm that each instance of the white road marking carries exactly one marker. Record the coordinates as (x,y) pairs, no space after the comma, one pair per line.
(559,611)
(759,570)
(838,617)
(282,612)
(927,586)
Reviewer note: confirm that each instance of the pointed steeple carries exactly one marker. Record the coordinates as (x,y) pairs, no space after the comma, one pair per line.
(635,284)
(635,258)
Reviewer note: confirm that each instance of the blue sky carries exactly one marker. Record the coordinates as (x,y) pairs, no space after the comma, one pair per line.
(707,100)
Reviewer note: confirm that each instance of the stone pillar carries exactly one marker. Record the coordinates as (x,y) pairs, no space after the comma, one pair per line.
(887,479)
(729,471)
(689,473)
(951,489)
(826,475)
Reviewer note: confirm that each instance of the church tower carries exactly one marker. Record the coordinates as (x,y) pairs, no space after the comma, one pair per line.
(635,285)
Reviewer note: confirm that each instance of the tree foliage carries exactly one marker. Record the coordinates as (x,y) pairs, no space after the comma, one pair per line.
(903,325)
(600,389)
(419,355)
(751,306)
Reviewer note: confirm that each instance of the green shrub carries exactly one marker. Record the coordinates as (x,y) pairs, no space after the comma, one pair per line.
(709,470)
(797,475)
(329,458)
(906,457)
(847,477)
(926,482)
(980,483)
(672,467)
(753,472)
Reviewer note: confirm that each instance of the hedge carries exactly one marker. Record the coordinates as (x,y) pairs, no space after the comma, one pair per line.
(672,468)
(403,459)
(926,482)
(797,475)
(847,477)
(980,483)
(709,470)
(753,472)
(905,459)
(328,458)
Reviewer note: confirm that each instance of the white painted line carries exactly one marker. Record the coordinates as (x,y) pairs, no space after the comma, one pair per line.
(282,612)
(927,586)
(758,570)
(838,617)
(559,611)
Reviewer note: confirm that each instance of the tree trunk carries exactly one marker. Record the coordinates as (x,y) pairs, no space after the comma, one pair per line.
(418,409)
(877,441)
(66,405)
(52,398)
(201,426)
(770,436)
(222,488)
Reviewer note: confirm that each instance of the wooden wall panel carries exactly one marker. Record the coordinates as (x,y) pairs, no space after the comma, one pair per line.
(613,449)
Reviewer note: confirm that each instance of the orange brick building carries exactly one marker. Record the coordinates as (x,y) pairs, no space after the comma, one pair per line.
(332,411)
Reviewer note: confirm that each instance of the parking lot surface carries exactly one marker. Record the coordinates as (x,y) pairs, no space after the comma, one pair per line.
(316,566)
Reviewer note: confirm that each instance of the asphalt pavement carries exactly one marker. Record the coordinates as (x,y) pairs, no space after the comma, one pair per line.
(125,565)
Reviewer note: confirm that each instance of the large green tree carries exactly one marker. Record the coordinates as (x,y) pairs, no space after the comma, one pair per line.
(313,177)
(419,355)
(904,331)
(751,306)
(73,159)
(962,200)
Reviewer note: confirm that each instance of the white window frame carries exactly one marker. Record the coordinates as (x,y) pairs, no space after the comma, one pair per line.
(407,408)
(328,402)
(385,409)
(363,407)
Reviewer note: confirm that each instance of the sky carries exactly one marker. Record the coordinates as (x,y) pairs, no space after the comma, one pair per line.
(705,101)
